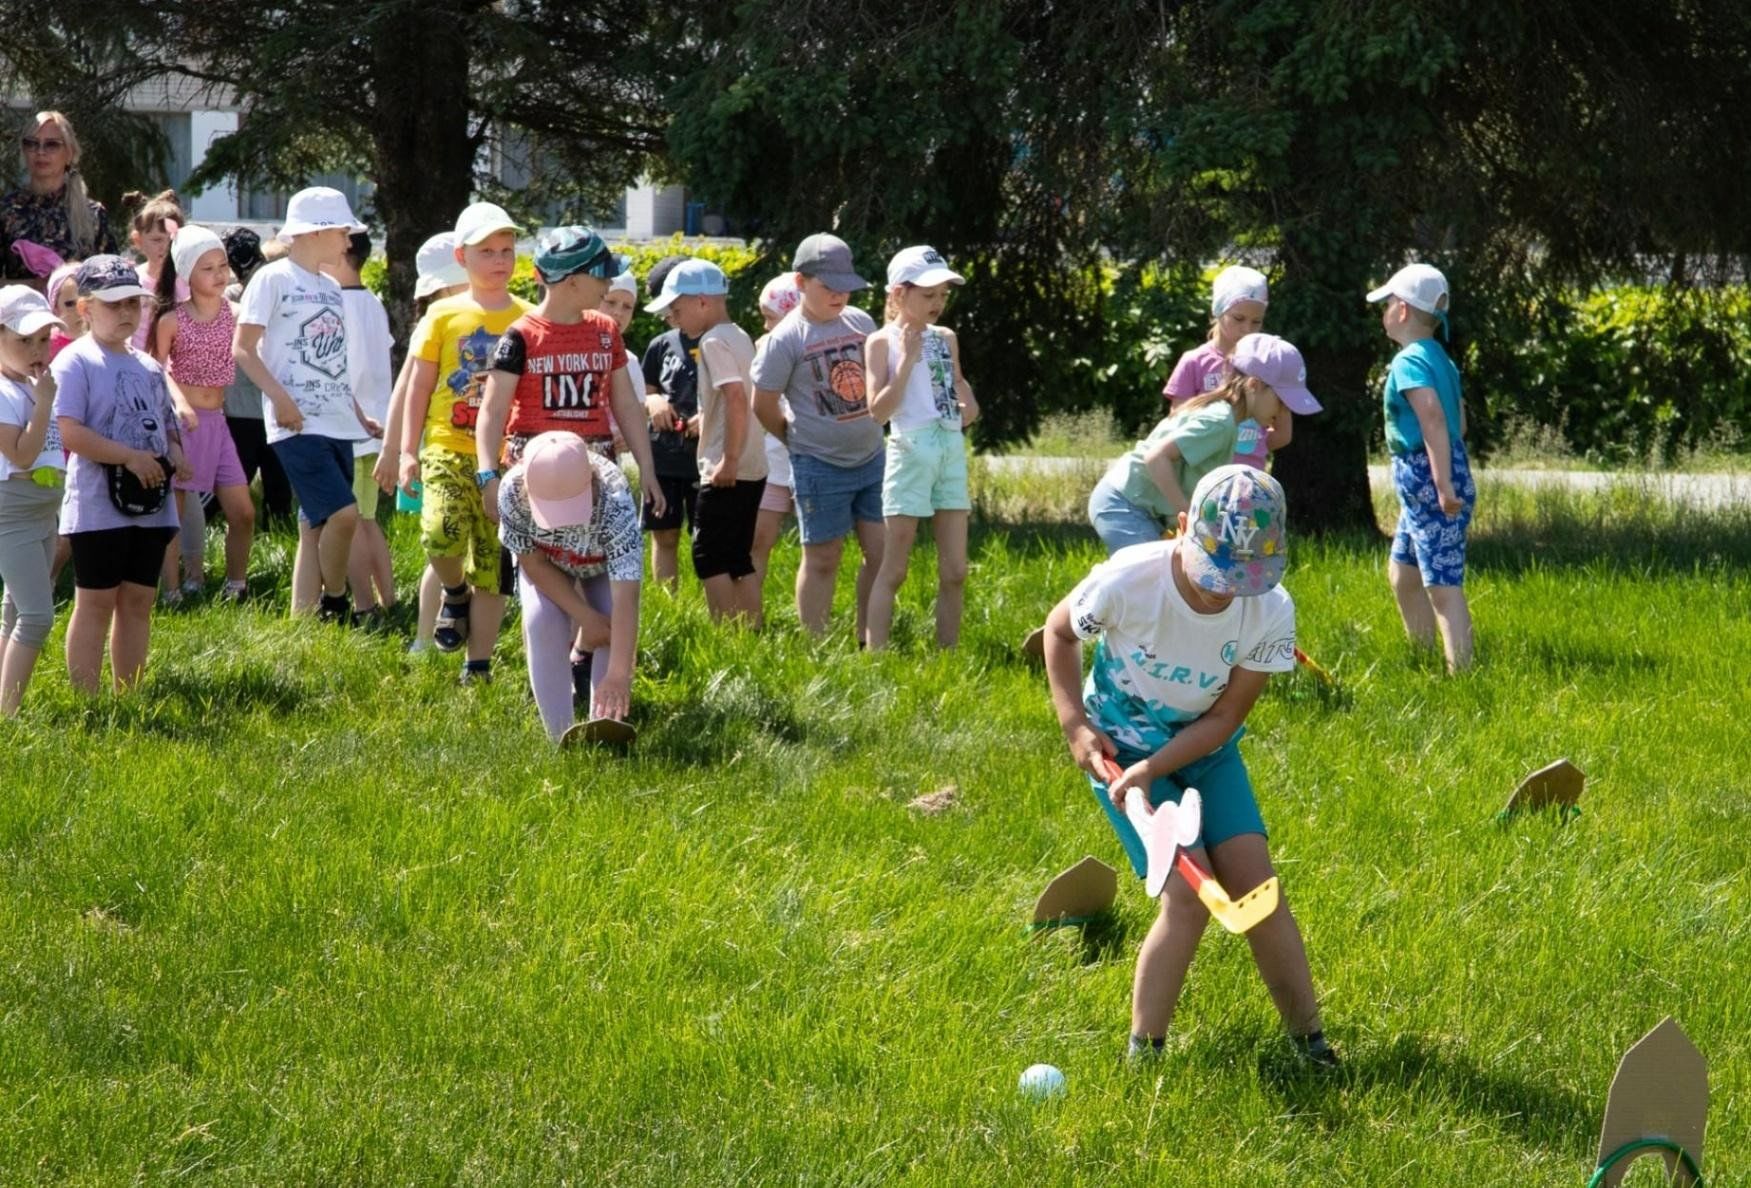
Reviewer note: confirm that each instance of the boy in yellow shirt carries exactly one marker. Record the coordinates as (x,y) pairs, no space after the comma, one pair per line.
(452,350)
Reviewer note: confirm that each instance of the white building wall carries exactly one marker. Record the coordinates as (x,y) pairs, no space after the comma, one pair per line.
(217,202)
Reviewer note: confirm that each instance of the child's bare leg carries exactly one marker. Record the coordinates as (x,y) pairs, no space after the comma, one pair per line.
(950,528)
(170,576)
(1240,864)
(815,579)
(899,534)
(334,546)
(382,565)
(239,511)
(1165,957)
(767,527)
(87,629)
(130,633)
(1453,615)
(666,556)
(486,614)
(872,537)
(431,593)
(306,571)
(1413,603)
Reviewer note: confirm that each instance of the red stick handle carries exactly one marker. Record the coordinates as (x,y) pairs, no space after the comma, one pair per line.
(1193,874)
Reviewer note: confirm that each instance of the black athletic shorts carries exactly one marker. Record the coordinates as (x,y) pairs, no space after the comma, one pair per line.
(723,529)
(104,559)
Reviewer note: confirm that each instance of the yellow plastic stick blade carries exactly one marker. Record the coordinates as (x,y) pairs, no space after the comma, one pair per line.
(1243,914)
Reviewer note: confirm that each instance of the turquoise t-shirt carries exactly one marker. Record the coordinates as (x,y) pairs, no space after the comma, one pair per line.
(1420,364)
(1205,438)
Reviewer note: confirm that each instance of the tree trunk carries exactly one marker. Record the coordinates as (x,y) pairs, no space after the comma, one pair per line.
(1324,469)
(424,153)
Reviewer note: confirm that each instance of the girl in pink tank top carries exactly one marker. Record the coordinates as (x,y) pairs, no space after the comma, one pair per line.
(192,339)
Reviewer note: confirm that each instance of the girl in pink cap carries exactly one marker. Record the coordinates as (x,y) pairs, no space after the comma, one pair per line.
(568,515)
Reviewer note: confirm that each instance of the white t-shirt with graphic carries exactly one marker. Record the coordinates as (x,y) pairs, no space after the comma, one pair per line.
(17,403)
(1159,664)
(304,344)
(370,371)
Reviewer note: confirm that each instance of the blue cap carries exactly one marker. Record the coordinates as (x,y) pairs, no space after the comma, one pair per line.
(690,278)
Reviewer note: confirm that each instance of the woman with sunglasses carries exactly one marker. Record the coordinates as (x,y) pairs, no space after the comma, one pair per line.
(51,209)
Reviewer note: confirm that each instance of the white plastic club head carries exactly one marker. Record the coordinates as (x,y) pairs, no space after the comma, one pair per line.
(1191,818)
(1160,832)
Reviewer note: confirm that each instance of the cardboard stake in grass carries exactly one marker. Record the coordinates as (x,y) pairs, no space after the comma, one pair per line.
(1236,915)
(1077,895)
(1033,648)
(602,732)
(1559,784)
(1658,1105)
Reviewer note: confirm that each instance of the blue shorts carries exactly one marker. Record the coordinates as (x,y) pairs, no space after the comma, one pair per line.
(1230,808)
(320,470)
(831,499)
(1426,536)
(1118,522)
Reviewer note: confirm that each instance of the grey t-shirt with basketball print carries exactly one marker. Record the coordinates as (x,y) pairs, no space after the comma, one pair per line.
(819,368)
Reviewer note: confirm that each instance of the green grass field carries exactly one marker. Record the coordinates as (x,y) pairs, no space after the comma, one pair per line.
(301,910)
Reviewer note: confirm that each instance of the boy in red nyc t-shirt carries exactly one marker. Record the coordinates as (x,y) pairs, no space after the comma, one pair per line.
(561,367)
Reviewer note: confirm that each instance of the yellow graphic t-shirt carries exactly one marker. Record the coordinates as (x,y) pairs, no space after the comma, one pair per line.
(460,336)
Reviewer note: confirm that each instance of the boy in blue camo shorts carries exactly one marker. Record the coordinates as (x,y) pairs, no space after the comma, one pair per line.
(1425,430)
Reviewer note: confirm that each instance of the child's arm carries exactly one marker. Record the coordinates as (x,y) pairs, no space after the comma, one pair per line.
(389,458)
(613,696)
(1064,674)
(418,402)
(625,403)
(890,390)
(969,403)
(1198,739)
(557,585)
(769,413)
(737,414)
(1159,460)
(246,350)
(23,444)
(76,438)
(163,338)
(1427,405)
(489,432)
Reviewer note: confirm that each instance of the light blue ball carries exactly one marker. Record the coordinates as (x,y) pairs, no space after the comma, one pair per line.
(1041,1082)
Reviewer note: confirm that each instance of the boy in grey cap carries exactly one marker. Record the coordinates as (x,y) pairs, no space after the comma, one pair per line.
(809,393)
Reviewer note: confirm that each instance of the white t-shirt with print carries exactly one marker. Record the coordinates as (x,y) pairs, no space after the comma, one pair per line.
(1159,664)
(17,402)
(370,370)
(304,344)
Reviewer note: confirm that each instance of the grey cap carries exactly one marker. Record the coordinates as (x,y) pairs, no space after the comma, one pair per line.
(827,258)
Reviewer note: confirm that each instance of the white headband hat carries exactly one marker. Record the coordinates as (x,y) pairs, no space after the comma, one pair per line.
(625,283)
(1237,283)
(191,243)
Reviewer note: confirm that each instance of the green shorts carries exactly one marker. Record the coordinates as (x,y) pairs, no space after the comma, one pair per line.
(365,488)
(453,520)
(926,472)
(1230,808)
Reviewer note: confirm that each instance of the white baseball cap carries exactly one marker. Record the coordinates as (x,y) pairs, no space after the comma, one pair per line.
(480,220)
(24,311)
(1235,284)
(318,209)
(1419,286)
(437,266)
(624,283)
(922,266)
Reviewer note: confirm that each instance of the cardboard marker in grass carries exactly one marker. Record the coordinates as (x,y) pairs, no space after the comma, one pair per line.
(1077,895)
(1559,784)
(601,732)
(1236,915)
(1658,1105)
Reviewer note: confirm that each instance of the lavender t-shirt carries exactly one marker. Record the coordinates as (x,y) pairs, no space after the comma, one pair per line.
(1201,370)
(121,395)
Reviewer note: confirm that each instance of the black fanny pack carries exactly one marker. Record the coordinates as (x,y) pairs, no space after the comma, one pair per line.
(132,497)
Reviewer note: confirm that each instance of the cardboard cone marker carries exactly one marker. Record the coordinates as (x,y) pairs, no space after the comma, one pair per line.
(602,732)
(1077,895)
(1559,784)
(1033,648)
(1658,1105)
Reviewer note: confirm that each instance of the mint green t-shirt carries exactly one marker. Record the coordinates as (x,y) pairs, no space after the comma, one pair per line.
(1205,438)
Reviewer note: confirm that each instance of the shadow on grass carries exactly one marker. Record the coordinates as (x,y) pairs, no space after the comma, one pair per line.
(184,705)
(703,729)
(1103,938)
(1425,1071)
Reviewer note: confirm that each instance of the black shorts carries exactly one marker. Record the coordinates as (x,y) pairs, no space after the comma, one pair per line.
(104,559)
(723,529)
(680,494)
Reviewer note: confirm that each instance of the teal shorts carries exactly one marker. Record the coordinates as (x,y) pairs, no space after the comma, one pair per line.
(926,472)
(1221,780)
